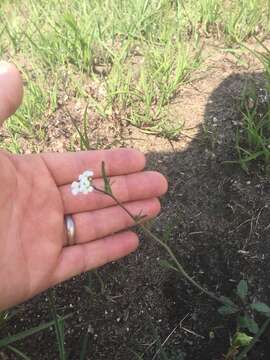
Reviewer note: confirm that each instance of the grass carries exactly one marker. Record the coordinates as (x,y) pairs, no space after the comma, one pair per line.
(253,136)
(246,19)
(252,140)
(140,54)
(8,341)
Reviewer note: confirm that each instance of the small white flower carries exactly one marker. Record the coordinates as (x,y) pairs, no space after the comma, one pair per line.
(75,188)
(84,185)
(85,182)
(86,189)
(88,173)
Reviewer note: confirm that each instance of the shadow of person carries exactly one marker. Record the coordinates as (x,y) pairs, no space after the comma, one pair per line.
(218,221)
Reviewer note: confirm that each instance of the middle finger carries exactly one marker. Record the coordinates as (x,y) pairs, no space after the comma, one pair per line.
(133,187)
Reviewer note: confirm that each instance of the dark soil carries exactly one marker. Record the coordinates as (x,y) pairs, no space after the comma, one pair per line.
(215,218)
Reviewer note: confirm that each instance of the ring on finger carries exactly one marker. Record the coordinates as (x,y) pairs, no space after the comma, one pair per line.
(70,228)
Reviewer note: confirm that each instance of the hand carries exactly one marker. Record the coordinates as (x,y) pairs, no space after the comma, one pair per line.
(35,195)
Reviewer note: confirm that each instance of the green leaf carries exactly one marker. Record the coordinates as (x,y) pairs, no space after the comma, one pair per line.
(227,310)
(18,352)
(242,339)
(242,290)
(11,339)
(227,301)
(261,308)
(246,322)
(107,185)
(167,265)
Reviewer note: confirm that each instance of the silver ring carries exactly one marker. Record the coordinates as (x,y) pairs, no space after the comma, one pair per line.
(70,227)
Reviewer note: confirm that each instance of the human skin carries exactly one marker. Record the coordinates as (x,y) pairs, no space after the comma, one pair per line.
(35,196)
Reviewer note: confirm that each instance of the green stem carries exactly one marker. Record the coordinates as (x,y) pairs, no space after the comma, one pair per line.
(166,247)
(179,266)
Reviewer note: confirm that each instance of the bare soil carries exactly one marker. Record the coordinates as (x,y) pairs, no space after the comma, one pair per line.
(215,218)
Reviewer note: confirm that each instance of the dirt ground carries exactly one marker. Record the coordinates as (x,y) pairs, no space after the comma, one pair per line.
(215,217)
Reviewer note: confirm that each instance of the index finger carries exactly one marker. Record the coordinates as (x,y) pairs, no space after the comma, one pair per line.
(66,167)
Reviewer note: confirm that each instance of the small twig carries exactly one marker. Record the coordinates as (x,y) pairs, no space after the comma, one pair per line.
(196,233)
(259,214)
(250,234)
(255,227)
(189,331)
(193,333)
(168,337)
(238,226)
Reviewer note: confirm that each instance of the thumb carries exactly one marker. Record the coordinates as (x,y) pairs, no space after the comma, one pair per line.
(11,90)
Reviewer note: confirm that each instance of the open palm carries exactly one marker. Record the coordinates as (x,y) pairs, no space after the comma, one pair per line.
(35,196)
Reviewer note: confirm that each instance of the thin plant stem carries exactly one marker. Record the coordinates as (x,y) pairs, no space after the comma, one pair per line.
(180,268)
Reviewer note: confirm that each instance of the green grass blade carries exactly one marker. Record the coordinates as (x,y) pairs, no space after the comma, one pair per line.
(86,128)
(59,327)
(85,345)
(18,352)
(137,356)
(11,339)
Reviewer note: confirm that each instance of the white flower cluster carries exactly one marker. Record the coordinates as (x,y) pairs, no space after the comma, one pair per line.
(84,185)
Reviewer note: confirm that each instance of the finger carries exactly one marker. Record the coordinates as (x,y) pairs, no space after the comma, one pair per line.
(100,223)
(11,90)
(65,168)
(126,188)
(77,259)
